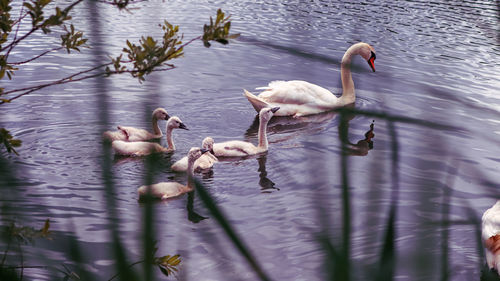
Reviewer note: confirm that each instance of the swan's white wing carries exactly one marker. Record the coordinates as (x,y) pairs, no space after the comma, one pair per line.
(136,134)
(136,148)
(298,93)
(162,190)
(234,148)
(206,161)
(114,135)
(181,165)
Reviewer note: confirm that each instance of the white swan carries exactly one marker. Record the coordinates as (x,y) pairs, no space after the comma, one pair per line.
(238,148)
(141,148)
(135,134)
(165,190)
(298,98)
(491,236)
(206,161)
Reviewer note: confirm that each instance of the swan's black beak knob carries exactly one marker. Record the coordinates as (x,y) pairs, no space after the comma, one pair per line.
(274,109)
(182,126)
(203,150)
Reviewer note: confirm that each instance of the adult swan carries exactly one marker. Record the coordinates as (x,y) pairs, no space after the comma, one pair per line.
(298,98)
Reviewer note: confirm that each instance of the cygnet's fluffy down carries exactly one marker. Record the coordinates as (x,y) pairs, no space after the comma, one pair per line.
(135,134)
(166,190)
(141,148)
(206,161)
(237,148)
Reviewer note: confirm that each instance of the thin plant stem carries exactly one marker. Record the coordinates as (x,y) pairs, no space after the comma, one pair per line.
(6,252)
(37,57)
(22,261)
(346,231)
(17,29)
(131,265)
(226,226)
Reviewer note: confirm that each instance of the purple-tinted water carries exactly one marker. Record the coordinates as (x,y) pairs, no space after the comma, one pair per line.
(435,61)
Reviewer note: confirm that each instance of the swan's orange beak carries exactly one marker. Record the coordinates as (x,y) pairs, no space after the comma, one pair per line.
(371,61)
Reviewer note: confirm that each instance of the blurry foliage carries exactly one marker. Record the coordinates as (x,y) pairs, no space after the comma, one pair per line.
(21,235)
(69,274)
(148,55)
(38,21)
(72,39)
(168,264)
(26,234)
(8,141)
(219,30)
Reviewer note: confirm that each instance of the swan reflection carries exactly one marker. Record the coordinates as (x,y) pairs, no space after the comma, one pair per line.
(193,216)
(265,183)
(362,147)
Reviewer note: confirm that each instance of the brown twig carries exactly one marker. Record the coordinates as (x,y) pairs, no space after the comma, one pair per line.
(69,79)
(72,78)
(21,17)
(33,29)
(37,57)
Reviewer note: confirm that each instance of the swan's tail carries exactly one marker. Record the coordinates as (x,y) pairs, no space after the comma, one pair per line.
(256,102)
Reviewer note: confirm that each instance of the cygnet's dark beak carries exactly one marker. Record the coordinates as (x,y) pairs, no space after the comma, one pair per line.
(203,150)
(167,116)
(182,126)
(212,151)
(274,109)
(371,61)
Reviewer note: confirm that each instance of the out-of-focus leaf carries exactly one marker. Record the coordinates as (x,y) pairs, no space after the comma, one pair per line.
(218,31)
(168,264)
(150,53)
(164,271)
(8,140)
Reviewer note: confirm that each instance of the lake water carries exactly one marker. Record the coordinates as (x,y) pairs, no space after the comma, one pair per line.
(436,62)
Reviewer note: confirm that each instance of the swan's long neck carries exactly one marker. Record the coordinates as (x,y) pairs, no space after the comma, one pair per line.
(170,141)
(262,135)
(156,128)
(348,95)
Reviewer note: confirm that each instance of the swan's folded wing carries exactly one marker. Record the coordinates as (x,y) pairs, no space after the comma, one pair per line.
(181,165)
(297,92)
(136,134)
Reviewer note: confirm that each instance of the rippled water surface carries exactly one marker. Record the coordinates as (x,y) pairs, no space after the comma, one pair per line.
(436,62)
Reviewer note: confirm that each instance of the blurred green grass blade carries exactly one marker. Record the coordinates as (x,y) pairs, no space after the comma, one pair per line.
(337,264)
(387,257)
(207,199)
(345,267)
